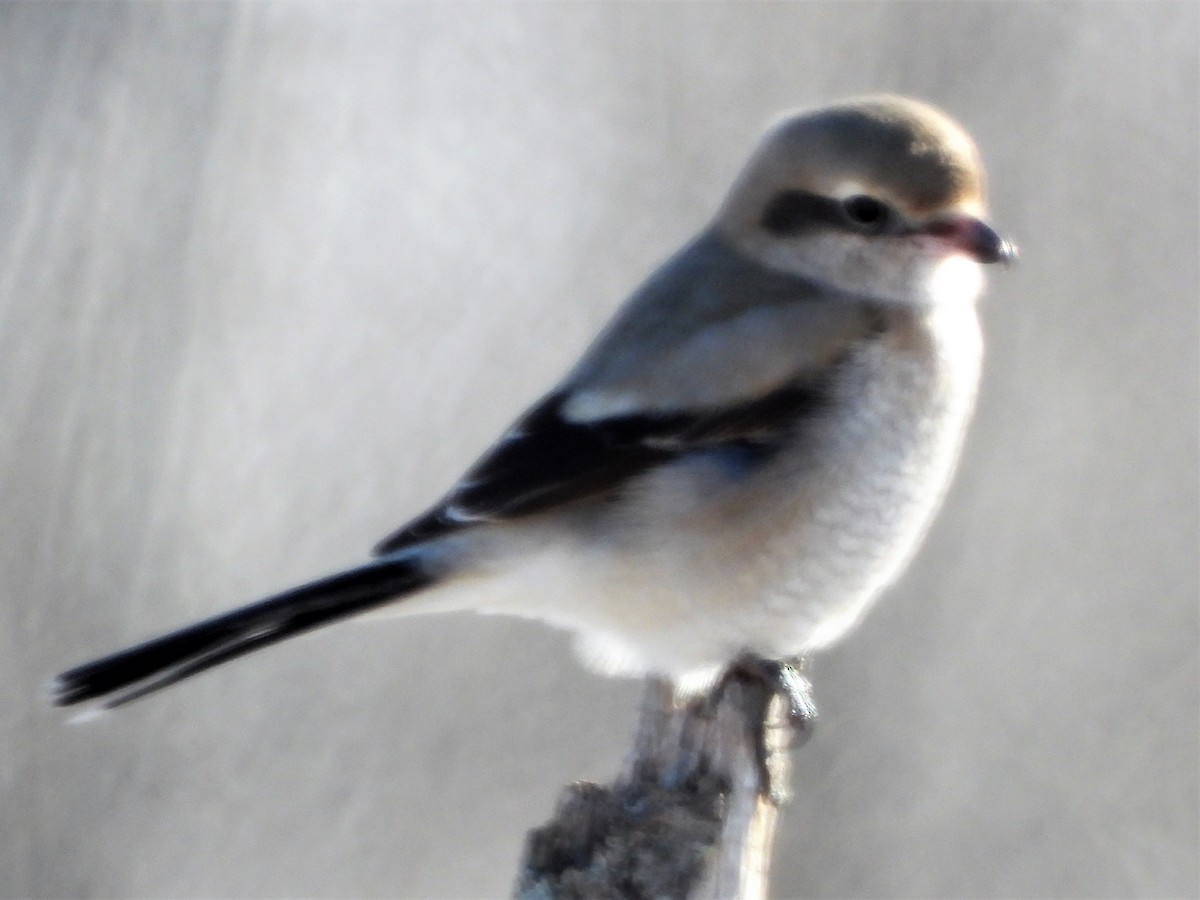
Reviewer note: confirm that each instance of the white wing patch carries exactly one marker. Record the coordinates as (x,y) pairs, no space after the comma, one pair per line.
(595,405)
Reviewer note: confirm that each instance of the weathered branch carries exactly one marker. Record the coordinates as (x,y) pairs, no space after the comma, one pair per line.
(694,814)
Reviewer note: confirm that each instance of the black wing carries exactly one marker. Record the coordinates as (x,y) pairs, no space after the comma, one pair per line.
(547,460)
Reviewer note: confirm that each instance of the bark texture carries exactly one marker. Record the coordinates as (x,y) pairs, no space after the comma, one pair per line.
(694,813)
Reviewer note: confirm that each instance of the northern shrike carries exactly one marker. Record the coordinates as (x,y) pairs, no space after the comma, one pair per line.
(744,458)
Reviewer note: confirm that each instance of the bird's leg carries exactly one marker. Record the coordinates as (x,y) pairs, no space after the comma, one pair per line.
(762,680)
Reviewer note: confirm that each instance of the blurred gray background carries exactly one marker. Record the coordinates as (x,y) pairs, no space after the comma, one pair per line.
(271,275)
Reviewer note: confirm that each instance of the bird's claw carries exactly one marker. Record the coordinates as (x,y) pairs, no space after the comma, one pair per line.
(763,680)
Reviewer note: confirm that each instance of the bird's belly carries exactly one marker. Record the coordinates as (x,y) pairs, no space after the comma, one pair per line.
(788,558)
(867,498)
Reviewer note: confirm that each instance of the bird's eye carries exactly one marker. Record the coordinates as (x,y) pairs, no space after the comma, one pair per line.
(867,213)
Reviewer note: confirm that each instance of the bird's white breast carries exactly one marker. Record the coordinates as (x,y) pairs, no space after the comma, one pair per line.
(882,467)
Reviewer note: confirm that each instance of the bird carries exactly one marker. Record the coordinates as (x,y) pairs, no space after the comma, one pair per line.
(743,460)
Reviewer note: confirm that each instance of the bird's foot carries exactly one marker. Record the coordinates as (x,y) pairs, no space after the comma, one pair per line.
(762,680)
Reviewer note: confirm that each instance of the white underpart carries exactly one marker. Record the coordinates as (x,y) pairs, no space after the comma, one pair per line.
(955,277)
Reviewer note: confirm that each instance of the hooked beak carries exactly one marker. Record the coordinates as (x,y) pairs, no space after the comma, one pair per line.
(973,237)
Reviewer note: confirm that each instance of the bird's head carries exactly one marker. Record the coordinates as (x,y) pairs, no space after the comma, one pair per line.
(880,196)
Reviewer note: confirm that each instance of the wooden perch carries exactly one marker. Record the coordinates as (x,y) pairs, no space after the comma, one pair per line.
(693,815)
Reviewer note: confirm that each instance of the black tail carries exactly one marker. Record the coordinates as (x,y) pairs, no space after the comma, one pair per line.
(149,667)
